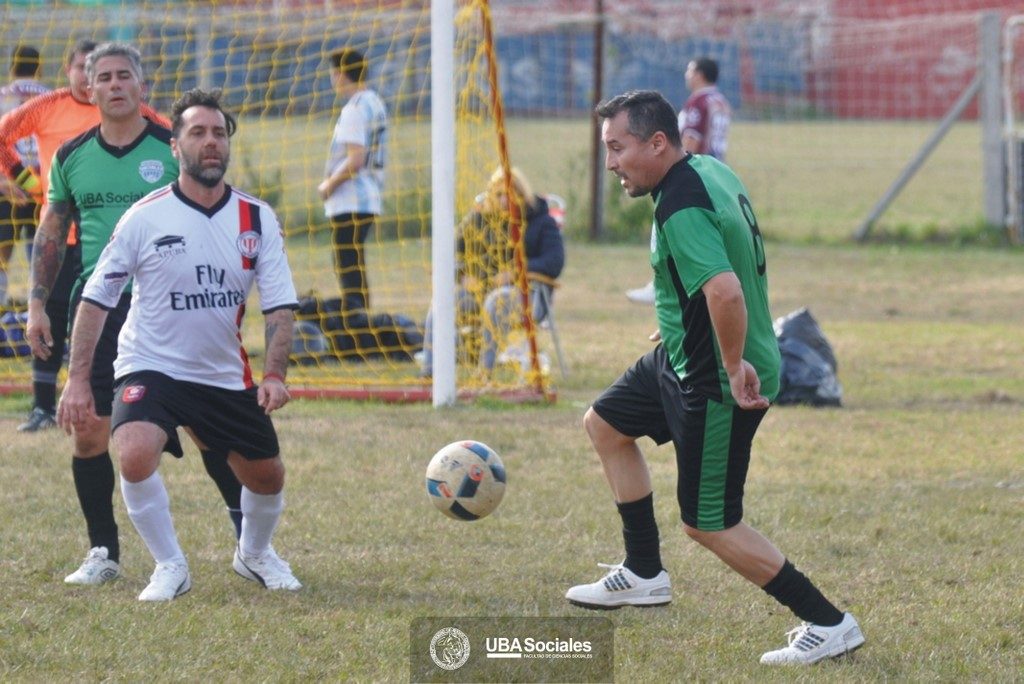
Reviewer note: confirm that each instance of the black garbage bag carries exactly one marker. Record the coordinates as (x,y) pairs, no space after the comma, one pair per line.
(358,335)
(380,335)
(808,374)
(309,345)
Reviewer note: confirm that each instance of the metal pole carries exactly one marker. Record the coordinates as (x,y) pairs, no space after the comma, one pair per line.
(1014,221)
(596,164)
(929,146)
(990,115)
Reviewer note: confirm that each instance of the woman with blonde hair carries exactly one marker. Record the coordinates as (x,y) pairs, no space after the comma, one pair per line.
(485,257)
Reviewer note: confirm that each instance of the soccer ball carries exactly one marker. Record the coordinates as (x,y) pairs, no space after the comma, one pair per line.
(466,480)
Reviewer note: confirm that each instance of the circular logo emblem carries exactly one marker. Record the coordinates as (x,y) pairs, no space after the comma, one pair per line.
(449,649)
(249,244)
(151,170)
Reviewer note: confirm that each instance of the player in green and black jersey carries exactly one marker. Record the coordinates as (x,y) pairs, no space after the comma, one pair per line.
(97,181)
(705,387)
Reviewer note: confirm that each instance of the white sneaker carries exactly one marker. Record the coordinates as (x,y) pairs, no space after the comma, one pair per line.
(168,581)
(620,587)
(642,295)
(97,568)
(268,569)
(810,643)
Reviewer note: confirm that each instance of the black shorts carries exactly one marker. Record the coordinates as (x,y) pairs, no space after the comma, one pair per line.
(712,440)
(102,375)
(223,420)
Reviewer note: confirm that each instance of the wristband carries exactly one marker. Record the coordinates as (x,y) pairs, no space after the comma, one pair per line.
(273,376)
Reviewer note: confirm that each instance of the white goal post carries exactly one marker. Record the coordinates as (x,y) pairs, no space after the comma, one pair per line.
(442,152)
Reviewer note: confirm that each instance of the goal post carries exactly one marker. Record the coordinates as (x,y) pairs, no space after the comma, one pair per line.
(431,64)
(442,138)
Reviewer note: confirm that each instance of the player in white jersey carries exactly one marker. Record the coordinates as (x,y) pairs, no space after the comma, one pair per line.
(354,177)
(194,249)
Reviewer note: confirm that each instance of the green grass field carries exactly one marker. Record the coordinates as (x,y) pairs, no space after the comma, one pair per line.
(809,181)
(904,506)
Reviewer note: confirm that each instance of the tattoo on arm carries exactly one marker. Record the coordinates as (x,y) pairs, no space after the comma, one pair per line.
(278,340)
(48,250)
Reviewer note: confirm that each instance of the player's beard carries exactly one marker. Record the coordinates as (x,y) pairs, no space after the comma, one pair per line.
(209,176)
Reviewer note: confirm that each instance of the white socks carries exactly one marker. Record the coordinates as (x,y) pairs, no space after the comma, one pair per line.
(260,515)
(150,511)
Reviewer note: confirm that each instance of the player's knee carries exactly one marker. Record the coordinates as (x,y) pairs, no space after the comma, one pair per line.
(713,540)
(702,537)
(262,477)
(601,433)
(136,465)
(592,423)
(91,439)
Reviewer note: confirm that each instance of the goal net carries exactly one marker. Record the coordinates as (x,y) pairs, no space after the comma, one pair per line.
(831,98)
(272,61)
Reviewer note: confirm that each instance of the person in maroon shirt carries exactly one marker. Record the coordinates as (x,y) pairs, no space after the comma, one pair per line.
(704,119)
(704,127)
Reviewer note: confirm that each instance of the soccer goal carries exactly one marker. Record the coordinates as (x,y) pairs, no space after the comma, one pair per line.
(434,66)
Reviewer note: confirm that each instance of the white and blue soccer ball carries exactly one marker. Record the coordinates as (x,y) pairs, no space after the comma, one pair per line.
(466,480)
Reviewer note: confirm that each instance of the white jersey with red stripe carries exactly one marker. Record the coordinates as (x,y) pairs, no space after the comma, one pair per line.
(193,270)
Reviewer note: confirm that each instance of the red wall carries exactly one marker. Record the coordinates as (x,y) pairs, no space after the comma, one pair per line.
(896,60)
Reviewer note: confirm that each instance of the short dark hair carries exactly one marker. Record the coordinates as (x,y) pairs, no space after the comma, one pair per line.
(82,47)
(350,62)
(708,68)
(25,62)
(648,112)
(198,97)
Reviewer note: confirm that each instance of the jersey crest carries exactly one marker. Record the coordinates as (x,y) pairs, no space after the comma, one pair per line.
(249,244)
(151,170)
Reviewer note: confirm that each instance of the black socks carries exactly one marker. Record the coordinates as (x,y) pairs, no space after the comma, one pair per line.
(45,394)
(94,482)
(640,533)
(792,589)
(230,488)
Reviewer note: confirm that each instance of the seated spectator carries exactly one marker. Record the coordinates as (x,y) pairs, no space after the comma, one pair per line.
(484,265)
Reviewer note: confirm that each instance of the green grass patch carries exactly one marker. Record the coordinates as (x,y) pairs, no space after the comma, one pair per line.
(904,506)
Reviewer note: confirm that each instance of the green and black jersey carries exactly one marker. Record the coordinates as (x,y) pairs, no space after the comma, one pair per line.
(704,225)
(99,182)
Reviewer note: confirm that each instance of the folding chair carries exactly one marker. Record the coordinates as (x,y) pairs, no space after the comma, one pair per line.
(548,322)
(556,207)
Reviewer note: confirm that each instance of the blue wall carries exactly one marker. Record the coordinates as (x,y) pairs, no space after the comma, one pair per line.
(541,74)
